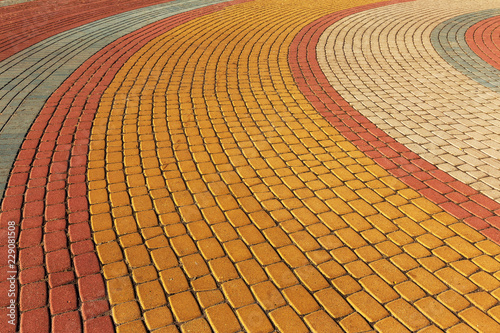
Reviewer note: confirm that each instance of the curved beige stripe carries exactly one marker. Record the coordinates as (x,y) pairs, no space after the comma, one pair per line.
(382,62)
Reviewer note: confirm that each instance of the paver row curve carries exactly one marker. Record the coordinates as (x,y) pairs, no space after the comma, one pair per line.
(220,212)
(30,76)
(220,199)
(46,192)
(484,39)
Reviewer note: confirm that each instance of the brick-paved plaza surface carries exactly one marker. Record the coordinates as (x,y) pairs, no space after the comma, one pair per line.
(249,166)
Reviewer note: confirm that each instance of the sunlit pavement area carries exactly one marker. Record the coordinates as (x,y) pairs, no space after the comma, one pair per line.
(249,166)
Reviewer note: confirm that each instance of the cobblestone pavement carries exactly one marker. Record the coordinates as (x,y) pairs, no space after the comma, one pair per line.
(250,166)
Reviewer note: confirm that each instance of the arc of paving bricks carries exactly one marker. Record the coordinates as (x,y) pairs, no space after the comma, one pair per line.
(40,178)
(223,184)
(453,196)
(29,77)
(29,23)
(449,39)
(484,39)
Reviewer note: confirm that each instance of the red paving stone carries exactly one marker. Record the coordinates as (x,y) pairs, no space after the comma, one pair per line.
(484,39)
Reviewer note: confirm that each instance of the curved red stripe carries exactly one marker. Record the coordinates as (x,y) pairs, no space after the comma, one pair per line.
(47,196)
(484,39)
(28,23)
(453,196)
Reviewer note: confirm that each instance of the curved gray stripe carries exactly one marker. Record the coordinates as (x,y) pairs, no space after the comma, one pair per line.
(448,38)
(28,78)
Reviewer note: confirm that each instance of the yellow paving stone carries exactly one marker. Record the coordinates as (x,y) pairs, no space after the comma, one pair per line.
(368,254)
(320,321)
(224,232)
(463,247)
(461,328)
(311,278)
(251,271)
(199,230)
(115,270)
(358,269)
(351,238)
(173,280)
(109,252)
(373,236)
(209,298)
(488,247)
(455,280)
(429,282)
(151,295)
(387,271)
(251,235)
(407,315)
(277,237)
(184,306)
(120,290)
(354,323)
(378,289)
(300,299)
(157,242)
(125,225)
(101,222)
(343,255)
(318,257)
(482,300)
(293,256)
(104,236)
(222,319)
(400,238)
(210,248)
(268,296)
(447,254)
(285,320)
(318,230)
(134,326)
(367,306)
(126,312)
(265,254)
(164,258)
(223,269)
(237,293)
(203,283)
(158,318)
(254,319)
(485,281)
(390,325)
(194,265)
(144,274)
(404,262)
(237,250)
(479,320)
(436,312)
(137,256)
(346,285)
(432,264)
(304,241)
(199,325)
(430,241)
(382,223)
(183,245)
(410,227)
(465,267)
